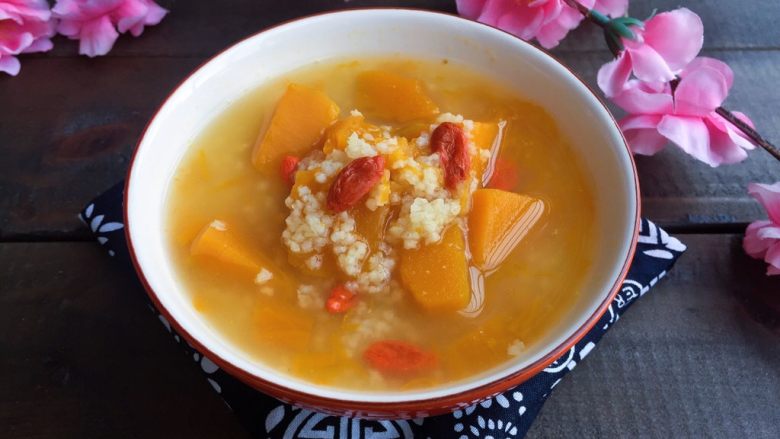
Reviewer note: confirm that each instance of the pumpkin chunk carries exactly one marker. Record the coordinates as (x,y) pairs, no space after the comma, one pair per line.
(437,274)
(487,135)
(283,326)
(484,133)
(498,221)
(392,97)
(218,242)
(337,134)
(297,124)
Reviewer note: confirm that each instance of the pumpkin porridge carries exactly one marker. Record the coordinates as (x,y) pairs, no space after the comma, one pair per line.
(382,224)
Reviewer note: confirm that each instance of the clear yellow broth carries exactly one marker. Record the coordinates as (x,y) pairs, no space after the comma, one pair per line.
(525,297)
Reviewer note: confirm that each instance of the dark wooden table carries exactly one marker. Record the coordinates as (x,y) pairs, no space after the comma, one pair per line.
(80,356)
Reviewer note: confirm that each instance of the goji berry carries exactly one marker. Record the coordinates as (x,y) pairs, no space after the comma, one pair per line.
(449,140)
(396,357)
(341,300)
(354,181)
(288,168)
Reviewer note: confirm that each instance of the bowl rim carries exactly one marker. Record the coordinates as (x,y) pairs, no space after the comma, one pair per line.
(401,408)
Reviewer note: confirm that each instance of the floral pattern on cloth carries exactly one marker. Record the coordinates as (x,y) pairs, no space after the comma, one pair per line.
(506,415)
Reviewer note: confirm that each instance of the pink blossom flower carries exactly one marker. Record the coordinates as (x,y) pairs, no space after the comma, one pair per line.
(24,28)
(686,117)
(95,22)
(546,20)
(666,44)
(762,238)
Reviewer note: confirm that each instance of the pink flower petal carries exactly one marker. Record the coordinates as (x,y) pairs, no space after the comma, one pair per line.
(553,32)
(769,196)
(641,121)
(522,22)
(554,8)
(494,10)
(40,45)
(649,65)
(154,15)
(769,232)
(743,117)
(22,11)
(612,76)
(642,134)
(95,22)
(734,135)
(677,36)
(69,28)
(613,8)
(65,8)
(703,61)
(550,9)
(133,15)
(752,244)
(41,31)
(16,41)
(691,135)
(129,14)
(470,8)
(24,27)
(97,37)
(773,259)
(537,3)
(547,21)
(9,64)
(700,92)
(639,99)
(569,17)
(549,36)
(723,144)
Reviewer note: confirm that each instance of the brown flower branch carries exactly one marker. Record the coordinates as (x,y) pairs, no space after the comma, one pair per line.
(582,10)
(749,131)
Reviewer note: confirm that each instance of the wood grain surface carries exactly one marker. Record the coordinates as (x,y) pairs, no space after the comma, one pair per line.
(80,356)
(694,358)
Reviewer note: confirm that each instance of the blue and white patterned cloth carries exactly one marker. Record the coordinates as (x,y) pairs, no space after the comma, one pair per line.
(508,415)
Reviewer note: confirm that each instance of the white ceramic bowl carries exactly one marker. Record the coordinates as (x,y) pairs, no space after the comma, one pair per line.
(416,34)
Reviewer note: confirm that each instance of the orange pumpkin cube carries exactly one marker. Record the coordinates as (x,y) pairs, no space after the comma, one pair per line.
(437,274)
(487,135)
(218,242)
(498,221)
(300,118)
(337,134)
(392,97)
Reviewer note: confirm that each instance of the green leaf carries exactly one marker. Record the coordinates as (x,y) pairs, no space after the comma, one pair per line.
(631,21)
(622,30)
(598,17)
